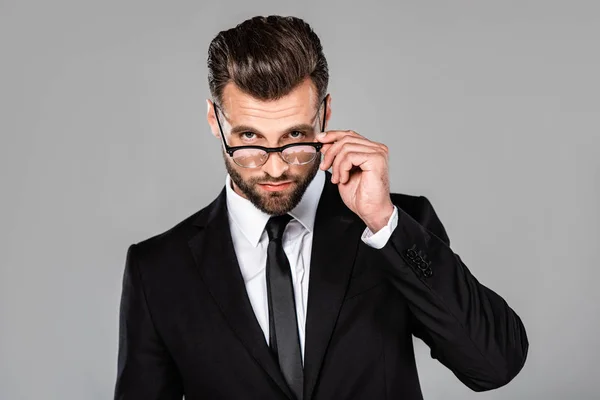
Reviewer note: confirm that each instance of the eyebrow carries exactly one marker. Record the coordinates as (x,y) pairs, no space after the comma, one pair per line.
(247,128)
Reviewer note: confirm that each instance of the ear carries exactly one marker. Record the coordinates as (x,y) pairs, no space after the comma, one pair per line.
(212,120)
(328,110)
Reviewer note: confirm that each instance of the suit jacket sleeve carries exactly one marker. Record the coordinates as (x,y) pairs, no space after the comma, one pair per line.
(468,327)
(145,368)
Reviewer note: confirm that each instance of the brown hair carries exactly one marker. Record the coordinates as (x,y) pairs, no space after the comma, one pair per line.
(267,57)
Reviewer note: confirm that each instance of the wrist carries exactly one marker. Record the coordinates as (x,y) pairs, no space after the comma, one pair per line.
(378,221)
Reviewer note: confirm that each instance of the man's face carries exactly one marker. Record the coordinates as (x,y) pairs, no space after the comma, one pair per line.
(275,187)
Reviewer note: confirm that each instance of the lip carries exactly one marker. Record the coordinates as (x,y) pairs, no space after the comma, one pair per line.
(271,187)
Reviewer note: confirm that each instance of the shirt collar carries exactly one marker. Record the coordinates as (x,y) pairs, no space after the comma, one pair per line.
(252,221)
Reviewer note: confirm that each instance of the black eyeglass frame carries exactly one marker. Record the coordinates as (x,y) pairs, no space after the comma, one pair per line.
(231,149)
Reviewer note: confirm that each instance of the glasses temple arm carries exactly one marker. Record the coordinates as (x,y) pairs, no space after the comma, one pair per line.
(220,128)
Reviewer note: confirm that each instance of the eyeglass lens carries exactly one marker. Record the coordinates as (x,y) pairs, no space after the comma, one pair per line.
(296,155)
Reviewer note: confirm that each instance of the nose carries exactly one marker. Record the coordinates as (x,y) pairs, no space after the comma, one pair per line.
(275,166)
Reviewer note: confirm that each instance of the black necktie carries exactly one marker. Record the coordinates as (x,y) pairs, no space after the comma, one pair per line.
(283,325)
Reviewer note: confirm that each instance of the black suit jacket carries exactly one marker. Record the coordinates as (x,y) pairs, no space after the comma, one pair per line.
(187,325)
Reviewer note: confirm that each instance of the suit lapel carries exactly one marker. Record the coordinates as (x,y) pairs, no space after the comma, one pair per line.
(335,240)
(216,259)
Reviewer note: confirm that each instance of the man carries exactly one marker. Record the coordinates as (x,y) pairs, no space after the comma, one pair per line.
(297,282)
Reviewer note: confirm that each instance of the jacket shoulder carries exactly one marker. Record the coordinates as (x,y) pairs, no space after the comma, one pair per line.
(172,238)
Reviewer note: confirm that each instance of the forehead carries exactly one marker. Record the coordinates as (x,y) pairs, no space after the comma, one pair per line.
(298,106)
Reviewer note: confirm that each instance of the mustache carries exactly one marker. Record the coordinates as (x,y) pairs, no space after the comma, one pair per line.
(269,179)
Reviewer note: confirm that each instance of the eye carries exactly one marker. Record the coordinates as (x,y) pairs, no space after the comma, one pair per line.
(296,134)
(247,135)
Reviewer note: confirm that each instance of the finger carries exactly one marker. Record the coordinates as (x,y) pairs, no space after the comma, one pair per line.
(335,155)
(333,149)
(350,161)
(332,136)
(343,154)
(344,164)
(363,162)
(326,147)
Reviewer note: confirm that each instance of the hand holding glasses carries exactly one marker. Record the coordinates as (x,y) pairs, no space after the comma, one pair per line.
(298,153)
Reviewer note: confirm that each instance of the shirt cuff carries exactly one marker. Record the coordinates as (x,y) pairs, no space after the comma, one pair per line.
(379,239)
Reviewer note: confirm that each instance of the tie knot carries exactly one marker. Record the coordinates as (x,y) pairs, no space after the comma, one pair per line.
(276,226)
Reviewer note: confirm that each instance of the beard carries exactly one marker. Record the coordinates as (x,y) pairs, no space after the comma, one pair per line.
(273,203)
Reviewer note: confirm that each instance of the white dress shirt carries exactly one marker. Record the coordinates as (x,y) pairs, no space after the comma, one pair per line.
(250,241)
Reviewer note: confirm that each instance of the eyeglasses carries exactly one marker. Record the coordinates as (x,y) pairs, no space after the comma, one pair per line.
(299,153)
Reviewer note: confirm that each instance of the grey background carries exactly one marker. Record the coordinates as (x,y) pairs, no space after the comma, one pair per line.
(490,109)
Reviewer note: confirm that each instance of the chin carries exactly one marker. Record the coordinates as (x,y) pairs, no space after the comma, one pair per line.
(276,203)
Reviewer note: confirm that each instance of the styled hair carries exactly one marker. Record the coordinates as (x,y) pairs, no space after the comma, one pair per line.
(267,57)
